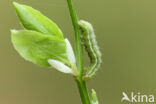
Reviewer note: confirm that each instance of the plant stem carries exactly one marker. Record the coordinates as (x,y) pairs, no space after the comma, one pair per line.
(78,47)
(83,91)
(79,57)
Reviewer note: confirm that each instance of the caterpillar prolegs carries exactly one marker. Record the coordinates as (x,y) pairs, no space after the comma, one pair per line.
(88,39)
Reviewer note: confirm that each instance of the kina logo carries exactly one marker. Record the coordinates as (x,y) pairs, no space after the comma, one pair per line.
(138,98)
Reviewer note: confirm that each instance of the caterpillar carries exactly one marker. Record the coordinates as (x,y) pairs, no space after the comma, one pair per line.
(88,39)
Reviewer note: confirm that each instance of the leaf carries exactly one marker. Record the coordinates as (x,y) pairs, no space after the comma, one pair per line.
(60,66)
(39,48)
(34,20)
(94,97)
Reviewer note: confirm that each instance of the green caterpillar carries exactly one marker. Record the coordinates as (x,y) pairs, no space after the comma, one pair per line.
(88,39)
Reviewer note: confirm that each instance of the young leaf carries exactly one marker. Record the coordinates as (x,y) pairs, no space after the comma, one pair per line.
(60,66)
(94,97)
(39,48)
(34,20)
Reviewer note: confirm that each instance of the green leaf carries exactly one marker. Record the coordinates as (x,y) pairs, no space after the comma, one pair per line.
(34,20)
(38,48)
(94,97)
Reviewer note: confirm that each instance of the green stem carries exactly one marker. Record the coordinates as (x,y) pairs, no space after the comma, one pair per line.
(78,47)
(83,91)
(79,57)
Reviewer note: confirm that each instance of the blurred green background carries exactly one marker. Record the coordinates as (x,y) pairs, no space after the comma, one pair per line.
(126,34)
